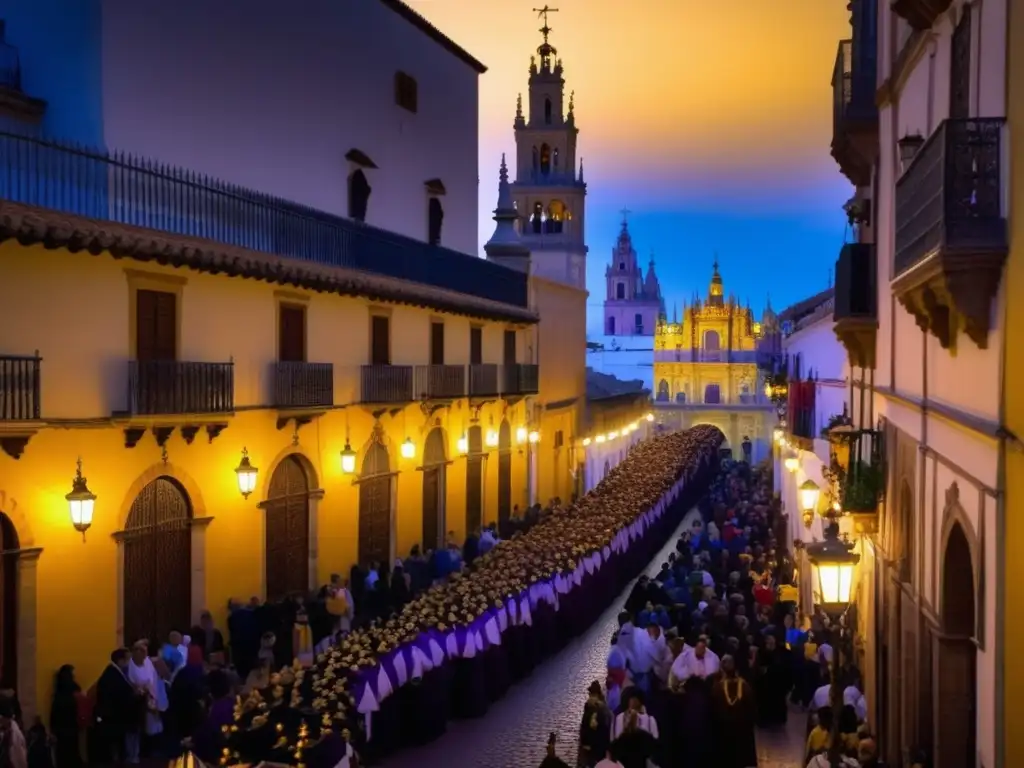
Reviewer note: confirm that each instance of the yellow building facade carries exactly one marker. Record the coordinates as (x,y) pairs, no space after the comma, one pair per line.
(705,370)
(379,414)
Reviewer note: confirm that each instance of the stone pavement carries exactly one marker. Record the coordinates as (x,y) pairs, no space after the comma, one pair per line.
(515,730)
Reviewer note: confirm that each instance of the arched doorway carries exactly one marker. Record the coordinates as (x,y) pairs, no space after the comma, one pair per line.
(712,345)
(286,542)
(663,391)
(474,480)
(9,607)
(375,506)
(504,472)
(158,563)
(956,662)
(435,467)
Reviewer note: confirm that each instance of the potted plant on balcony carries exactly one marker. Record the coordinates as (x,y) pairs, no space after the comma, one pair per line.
(862,488)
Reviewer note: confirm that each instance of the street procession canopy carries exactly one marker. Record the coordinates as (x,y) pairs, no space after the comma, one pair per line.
(308,710)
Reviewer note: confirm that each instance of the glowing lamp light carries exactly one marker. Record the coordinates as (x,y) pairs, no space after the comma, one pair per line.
(348,459)
(834,564)
(463,444)
(408,449)
(246,474)
(634,427)
(534,436)
(491,439)
(767,389)
(521,435)
(81,502)
(650,417)
(779,434)
(612,435)
(792,463)
(586,441)
(600,439)
(809,495)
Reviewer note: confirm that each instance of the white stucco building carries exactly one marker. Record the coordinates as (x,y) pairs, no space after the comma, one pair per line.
(317,107)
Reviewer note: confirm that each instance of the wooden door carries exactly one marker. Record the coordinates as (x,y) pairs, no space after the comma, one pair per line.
(286,544)
(380,340)
(437,343)
(476,345)
(431,508)
(291,334)
(510,348)
(474,481)
(156,325)
(157,563)
(375,507)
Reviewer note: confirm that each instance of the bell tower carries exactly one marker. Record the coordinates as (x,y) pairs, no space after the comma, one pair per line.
(549,193)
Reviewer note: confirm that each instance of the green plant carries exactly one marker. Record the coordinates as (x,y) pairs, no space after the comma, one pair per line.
(862,487)
(835,420)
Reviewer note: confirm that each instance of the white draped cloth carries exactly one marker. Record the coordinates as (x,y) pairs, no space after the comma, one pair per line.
(643,721)
(145,677)
(687,665)
(854,698)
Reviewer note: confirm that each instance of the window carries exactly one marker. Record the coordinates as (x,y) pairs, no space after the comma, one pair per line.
(536,160)
(358,195)
(406,92)
(291,333)
(556,215)
(611,326)
(537,220)
(476,345)
(510,348)
(435,217)
(156,325)
(622,266)
(380,340)
(547,111)
(712,394)
(437,343)
(638,321)
(620,290)
(545,159)
(559,439)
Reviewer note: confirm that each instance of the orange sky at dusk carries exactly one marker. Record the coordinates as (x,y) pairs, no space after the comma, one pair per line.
(736,90)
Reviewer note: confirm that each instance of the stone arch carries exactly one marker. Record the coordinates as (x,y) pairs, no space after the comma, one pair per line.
(176,473)
(292,451)
(958,606)
(376,503)
(18,606)
(156,562)
(958,538)
(435,470)
(10,509)
(721,431)
(663,393)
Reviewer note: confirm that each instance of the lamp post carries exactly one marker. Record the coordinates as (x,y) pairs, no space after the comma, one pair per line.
(833,562)
(81,502)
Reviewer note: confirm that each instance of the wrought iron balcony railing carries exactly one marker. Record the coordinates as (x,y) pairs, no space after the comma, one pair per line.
(129,190)
(386,384)
(20,387)
(856,293)
(950,199)
(520,379)
(853,88)
(172,387)
(445,382)
(483,380)
(303,385)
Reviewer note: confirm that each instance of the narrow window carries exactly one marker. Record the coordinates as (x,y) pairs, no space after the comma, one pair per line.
(156,325)
(358,195)
(638,321)
(545,159)
(291,334)
(620,290)
(547,111)
(510,347)
(476,345)
(611,326)
(406,92)
(437,343)
(380,340)
(435,218)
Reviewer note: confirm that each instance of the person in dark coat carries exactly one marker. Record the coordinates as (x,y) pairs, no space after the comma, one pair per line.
(471,548)
(187,697)
(734,717)
(772,682)
(207,636)
(595,727)
(64,718)
(119,709)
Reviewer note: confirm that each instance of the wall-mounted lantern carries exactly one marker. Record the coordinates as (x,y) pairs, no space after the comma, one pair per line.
(534,436)
(81,502)
(908,149)
(348,459)
(246,475)
(408,449)
(522,434)
(462,445)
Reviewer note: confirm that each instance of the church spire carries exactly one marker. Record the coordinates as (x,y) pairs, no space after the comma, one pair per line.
(505,245)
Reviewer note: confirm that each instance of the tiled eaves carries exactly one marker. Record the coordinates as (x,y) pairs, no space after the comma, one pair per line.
(52,229)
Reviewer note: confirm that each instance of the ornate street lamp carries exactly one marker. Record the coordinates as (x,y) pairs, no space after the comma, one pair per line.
(792,463)
(348,459)
(834,563)
(246,475)
(408,449)
(81,502)
(809,494)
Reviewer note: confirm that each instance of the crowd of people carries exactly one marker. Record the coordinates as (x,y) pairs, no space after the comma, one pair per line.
(712,648)
(386,656)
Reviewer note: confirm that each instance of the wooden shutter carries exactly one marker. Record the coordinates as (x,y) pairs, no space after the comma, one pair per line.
(380,341)
(510,347)
(291,334)
(437,343)
(476,346)
(156,325)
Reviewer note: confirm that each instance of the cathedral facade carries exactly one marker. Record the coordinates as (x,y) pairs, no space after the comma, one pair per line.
(706,370)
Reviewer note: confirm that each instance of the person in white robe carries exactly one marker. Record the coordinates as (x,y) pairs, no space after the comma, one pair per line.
(661,654)
(853,697)
(143,675)
(701,662)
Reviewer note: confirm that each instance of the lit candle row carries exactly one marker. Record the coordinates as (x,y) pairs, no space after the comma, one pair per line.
(604,438)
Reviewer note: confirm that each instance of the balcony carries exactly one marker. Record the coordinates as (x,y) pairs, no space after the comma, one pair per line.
(863,481)
(520,379)
(19,388)
(114,187)
(854,114)
(440,382)
(483,380)
(951,231)
(303,386)
(920,14)
(386,384)
(175,388)
(856,303)
(801,412)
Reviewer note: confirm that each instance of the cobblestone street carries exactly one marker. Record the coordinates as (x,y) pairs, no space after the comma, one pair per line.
(514,732)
